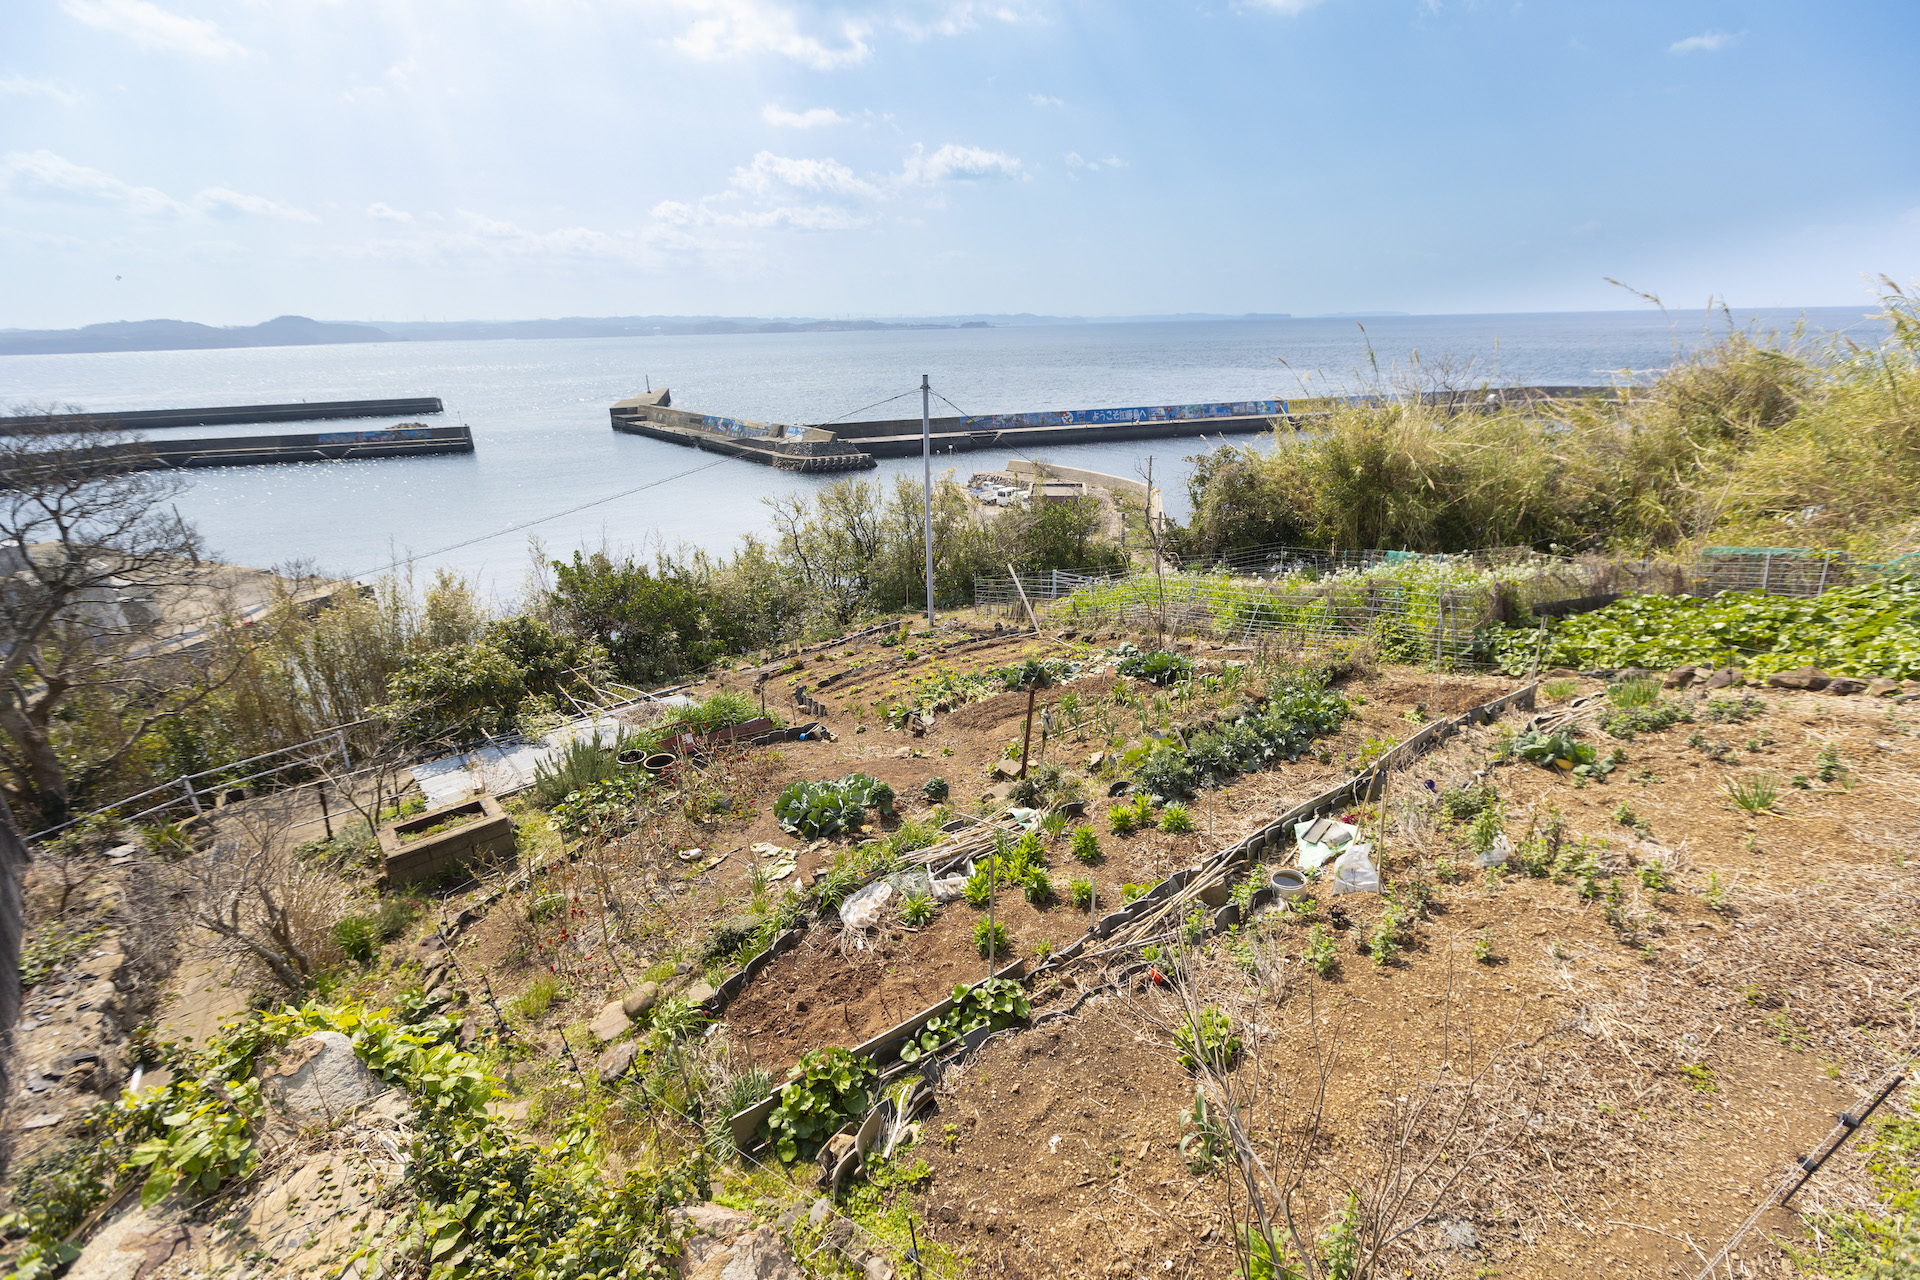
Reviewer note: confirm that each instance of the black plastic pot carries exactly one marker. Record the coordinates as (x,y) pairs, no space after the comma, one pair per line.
(660,762)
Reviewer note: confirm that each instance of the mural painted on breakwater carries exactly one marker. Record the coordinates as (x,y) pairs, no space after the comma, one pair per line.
(1150,413)
(740,429)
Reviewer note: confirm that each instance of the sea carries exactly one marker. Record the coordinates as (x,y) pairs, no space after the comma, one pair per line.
(549,474)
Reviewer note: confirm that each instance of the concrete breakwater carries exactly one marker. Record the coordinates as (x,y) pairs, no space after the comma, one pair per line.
(228,414)
(408,440)
(853,446)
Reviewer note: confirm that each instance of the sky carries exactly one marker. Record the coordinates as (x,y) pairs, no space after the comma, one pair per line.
(231,160)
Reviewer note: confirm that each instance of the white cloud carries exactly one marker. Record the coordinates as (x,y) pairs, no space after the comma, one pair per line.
(1044,100)
(770,174)
(43,172)
(1076,161)
(37,88)
(46,173)
(221,202)
(811,118)
(814,217)
(953,163)
(953,17)
(380,211)
(151,27)
(732,28)
(1288,7)
(1706,42)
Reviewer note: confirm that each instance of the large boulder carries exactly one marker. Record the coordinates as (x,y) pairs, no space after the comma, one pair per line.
(1726,678)
(319,1077)
(723,1244)
(1883,687)
(641,999)
(1811,679)
(617,1060)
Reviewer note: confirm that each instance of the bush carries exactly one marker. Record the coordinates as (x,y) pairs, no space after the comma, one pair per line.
(581,763)
(935,789)
(825,1090)
(1082,893)
(989,938)
(1176,821)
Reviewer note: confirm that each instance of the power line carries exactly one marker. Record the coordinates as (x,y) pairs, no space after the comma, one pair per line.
(528,524)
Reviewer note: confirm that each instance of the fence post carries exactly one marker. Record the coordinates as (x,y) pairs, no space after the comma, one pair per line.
(192,798)
(346,757)
(1766,572)
(1826,562)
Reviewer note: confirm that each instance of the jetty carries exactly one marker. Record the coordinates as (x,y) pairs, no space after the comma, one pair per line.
(226,415)
(854,446)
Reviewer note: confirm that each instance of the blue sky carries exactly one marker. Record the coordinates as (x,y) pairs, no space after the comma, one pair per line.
(230,160)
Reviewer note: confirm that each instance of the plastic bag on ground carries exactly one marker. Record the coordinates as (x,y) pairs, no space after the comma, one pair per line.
(863,909)
(1334,837)
(1353,872)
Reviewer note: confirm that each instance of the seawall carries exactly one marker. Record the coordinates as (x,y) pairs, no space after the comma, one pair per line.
(223,415)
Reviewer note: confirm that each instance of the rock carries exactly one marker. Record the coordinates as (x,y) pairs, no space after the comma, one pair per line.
(610,1023)
(1812,679)
(699,992)
(1725,678)
(1846,686)
(1681,677)
(758,1255)
(617,1061)
(319,1077)
(1631,673)
(136,1243)
(1882,687)
(641,999)
(1908,697)
(1004,768)
(1560,673)
(878,1268)
(1095,760)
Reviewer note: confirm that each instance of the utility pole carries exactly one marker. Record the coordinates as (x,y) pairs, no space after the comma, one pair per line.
(926,462)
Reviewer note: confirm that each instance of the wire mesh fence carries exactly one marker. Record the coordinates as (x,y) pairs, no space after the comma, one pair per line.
(1429,609)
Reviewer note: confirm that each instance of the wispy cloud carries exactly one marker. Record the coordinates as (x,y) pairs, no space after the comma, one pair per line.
(772,175)
(811,118)
(151,27)
(1044,100)
(1077,161)
(1705,42)
(37,89)
(476,236)
(380,211)
(732,28)
(954,163)
(44,173)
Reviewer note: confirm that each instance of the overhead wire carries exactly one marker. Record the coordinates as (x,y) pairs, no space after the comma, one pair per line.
(528,524)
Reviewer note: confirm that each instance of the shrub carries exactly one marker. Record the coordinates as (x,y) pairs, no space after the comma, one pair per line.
(917,909)
(997,1003)
(1176,821)
(355,937)
(1082,892)
(935,789)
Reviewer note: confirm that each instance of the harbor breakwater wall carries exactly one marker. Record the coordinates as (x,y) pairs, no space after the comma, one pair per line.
(227,415)
(848,446)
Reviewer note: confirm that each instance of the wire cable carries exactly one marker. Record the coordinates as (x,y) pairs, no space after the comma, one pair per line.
(528,524)
(863,408)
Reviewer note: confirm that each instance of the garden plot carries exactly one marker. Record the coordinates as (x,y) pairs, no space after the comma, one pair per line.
(1671,996)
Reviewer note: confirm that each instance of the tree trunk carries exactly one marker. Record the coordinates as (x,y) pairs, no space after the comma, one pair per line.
(45,783)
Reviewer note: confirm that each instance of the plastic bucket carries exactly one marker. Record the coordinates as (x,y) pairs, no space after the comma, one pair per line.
(1288,884)
(660,762)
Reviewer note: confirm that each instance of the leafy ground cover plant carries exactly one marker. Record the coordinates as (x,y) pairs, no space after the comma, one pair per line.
(1755,793)
(1155,666)
(1175,820)
(816,809)
(1867,630)
(1561,751)
(989,937)
(996,1003)
(827,1088)
(603,810)
(1086,845)
(917,909)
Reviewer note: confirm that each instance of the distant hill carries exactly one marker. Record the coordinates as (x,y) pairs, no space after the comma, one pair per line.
(185,335)
(298,331)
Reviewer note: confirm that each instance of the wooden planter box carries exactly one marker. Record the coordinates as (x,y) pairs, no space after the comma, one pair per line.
(486,836)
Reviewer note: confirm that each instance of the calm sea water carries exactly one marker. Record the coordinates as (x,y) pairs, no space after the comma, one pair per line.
(538,410)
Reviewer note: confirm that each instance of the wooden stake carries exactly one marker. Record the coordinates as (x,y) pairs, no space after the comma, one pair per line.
(1027,735)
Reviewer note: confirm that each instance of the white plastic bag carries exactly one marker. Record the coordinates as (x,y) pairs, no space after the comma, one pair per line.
(862,910)
(1353,872)
(1338,836)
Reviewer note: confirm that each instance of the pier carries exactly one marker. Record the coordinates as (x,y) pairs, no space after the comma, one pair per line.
(227,415)
(853,446)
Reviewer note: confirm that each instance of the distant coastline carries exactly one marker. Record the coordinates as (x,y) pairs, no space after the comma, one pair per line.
(299,331)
